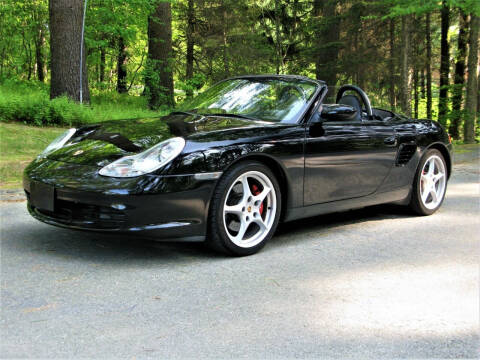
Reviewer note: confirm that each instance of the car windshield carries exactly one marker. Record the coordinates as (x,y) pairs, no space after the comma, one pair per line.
(267,99)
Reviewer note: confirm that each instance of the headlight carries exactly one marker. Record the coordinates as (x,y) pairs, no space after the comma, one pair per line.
(58,142)
(145,162)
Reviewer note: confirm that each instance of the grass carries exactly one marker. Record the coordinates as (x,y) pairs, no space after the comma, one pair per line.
(465,148)
(20,144)
(29,103)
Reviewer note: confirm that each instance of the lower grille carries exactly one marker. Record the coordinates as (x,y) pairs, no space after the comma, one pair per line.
(86,215)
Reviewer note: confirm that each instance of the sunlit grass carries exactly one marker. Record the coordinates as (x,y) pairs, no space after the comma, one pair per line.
(19,144)
(461,148)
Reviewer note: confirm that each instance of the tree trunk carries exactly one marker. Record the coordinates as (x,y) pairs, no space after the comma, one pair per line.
(190,44)
(428,65)
(478,94)
(28,55)
(226,67)
(422,83)
(415,93)
(359,49)
(65,35)
(472,86)
(317,14)
(102,64)
(122,66)
(391,65)
(404,67)
(444,64)
(417,65)
(326,52)
(159,78)
(459,80)
(278,40)
(39,55)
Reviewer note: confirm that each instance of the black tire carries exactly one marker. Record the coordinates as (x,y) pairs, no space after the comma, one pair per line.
(416,204)
(217,238)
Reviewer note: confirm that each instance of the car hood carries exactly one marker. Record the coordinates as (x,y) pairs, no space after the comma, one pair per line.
(103,143)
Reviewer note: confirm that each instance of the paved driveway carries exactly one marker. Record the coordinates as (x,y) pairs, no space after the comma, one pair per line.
(373,282)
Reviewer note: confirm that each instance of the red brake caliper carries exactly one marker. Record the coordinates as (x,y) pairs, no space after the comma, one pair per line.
(256,191)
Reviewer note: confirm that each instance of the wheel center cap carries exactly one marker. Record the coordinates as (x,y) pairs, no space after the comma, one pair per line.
(249,209)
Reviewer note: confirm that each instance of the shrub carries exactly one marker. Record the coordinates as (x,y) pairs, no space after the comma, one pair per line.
(29,103)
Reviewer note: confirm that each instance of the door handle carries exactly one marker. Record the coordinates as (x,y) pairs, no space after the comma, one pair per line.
(391,140)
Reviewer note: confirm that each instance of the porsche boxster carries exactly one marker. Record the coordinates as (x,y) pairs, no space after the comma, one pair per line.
(231,163)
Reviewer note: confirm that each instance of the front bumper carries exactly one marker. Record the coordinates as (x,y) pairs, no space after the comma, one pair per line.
(174,208)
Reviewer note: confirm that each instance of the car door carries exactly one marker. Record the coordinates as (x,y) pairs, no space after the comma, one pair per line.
(346,159)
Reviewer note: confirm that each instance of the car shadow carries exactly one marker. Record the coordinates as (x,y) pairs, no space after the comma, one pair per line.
(125,249)
(345,218)
(109,248)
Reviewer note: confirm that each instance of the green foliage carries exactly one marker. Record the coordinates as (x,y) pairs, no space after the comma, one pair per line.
(21,24)
(106,22)
(407,7)
(29,103)
(194,84)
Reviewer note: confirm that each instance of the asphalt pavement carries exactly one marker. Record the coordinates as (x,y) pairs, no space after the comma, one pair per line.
(376,282)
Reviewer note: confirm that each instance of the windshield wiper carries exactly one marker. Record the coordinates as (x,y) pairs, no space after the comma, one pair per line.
(232,115)
(185,112)
(216,114)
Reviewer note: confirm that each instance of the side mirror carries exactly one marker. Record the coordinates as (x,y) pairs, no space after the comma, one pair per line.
(338,112)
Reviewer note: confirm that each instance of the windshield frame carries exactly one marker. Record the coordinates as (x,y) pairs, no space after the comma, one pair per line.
(297,119)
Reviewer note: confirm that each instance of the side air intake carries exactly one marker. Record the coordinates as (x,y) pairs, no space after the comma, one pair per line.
(405,153)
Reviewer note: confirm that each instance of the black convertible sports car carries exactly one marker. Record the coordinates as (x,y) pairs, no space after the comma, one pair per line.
(234,161)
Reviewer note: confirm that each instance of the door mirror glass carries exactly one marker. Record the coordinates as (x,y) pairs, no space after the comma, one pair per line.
(338,112)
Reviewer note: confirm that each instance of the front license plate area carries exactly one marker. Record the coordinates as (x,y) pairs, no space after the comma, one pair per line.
(42,196)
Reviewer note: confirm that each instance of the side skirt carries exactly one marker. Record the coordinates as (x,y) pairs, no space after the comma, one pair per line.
(399,196)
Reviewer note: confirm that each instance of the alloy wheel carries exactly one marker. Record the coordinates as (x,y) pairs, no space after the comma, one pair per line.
(249,209)
(433,182)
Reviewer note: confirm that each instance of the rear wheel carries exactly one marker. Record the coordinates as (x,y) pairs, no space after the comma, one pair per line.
(430,183)
(245,209)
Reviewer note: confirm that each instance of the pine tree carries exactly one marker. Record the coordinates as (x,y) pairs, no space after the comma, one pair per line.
(405,67)
(472,85)
(65,42)
(444,64)
(459,80)
(159,76)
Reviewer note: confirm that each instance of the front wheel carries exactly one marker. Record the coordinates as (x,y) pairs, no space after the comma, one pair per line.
(245,209)
(430,183)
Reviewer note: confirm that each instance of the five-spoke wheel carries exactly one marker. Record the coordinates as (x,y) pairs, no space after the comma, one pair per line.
(249,209)
(245,209)
(430,183)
